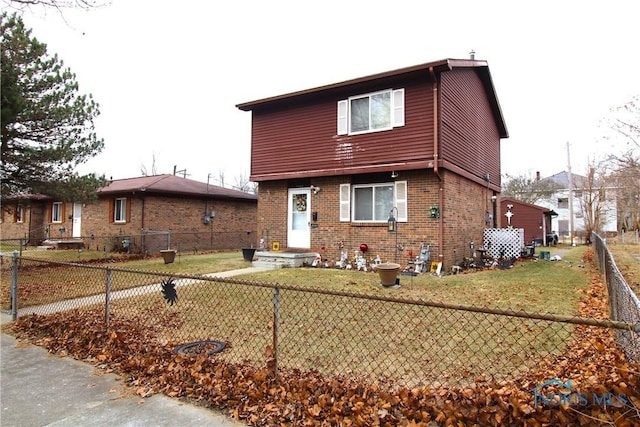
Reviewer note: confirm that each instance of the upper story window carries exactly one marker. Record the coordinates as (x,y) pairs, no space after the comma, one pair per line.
(602,194)
(373,202)
(371,112)
(120,210)
(56,212)
(563,203)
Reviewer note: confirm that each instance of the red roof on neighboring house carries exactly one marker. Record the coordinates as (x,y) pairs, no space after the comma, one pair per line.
(172,184)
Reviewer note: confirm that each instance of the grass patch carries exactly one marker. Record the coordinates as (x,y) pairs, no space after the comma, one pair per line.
(540,286)
(363,336)
(43,283)
(628,261)
(359,336)
(190,263)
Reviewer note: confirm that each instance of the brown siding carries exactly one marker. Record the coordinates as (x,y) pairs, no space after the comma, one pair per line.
(469,136)
(527,217)
(302,138)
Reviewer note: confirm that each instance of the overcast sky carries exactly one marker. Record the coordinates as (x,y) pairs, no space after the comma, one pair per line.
(167,75)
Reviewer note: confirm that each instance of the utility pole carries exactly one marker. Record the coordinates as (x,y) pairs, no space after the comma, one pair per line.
(570,194)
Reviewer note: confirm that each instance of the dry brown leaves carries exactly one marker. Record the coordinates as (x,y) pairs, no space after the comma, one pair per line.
(309,399)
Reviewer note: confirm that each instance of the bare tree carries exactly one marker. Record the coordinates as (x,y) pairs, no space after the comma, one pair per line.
(57,4)
(221,178)
(242,183)
(154,169)
(624,121)
(529,188)
(595,199)
(627,179)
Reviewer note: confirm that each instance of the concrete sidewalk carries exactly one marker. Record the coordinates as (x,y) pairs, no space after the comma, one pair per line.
(40,389)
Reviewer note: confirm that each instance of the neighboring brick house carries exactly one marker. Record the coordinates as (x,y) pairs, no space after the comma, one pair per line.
(535,220)
(136,214)
(25,217)
(421,144)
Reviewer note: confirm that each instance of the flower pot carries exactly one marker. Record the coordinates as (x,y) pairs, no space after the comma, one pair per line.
(388,272)
(169,255)
(248,253)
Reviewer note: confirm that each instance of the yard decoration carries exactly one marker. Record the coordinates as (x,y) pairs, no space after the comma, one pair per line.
(169,291)
(248,253)
(169,255)
(388,272)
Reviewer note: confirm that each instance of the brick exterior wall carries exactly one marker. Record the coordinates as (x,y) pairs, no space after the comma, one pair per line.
(233,227)
(35,226)
(463,215)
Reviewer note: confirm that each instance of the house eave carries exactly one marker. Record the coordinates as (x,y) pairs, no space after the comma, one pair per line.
(387,167)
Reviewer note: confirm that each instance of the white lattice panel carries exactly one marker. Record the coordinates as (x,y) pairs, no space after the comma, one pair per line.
(504,242)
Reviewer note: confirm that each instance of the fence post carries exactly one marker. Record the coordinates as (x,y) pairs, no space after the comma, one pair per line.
(14,286)
(276,327)
(108,297)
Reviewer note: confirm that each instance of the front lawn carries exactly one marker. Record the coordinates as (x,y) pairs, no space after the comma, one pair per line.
(538,286)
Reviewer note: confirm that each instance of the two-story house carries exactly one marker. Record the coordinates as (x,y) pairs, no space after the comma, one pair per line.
(574,198)
(419,145)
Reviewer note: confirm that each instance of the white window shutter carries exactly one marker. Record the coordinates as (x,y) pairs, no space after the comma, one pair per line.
(343,109)
(345,202)
(401,200)
(398,107)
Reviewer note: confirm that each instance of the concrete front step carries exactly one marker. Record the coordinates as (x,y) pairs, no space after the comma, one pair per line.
(272,259)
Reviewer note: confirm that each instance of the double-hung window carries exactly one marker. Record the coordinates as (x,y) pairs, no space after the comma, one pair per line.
(563,203)
(56,212)
(120,210)
(373,202)
(372,112)
(19,213)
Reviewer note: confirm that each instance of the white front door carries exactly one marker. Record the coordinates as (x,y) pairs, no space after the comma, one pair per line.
(77,219)
(299,218)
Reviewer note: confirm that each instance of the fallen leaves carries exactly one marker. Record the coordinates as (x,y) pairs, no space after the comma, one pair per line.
(293,398)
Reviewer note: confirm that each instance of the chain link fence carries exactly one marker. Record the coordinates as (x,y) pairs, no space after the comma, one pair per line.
(408,342)
(146,244)
(624,305)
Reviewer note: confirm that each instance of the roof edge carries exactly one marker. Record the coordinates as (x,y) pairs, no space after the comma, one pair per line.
(442,64)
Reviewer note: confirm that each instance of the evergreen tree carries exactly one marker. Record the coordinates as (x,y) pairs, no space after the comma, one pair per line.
(47,125)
